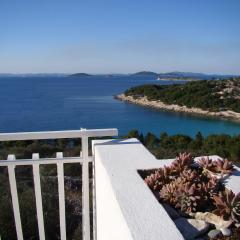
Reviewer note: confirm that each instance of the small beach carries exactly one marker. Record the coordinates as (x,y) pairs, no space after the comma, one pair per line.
(143,101)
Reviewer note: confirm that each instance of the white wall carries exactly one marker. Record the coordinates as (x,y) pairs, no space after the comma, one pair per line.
(126,208)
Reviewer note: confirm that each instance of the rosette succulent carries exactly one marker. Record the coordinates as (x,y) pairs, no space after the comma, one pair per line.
(223,166)
(206,163)
(168,192)
(182,162)
(181,194)
(157,179)
(218,166)
(228,205)
(188,198)
(189,175)
(209,189)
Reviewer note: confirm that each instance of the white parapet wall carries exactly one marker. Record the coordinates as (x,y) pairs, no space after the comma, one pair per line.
(126,209)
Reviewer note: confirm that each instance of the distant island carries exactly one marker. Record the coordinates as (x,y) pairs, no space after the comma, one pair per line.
(80,75)
(144,73)
(210,98)
(187,76)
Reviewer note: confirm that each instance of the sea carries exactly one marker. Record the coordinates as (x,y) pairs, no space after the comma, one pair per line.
(42,103)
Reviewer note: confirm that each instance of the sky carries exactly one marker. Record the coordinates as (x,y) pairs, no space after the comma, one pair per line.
(124,36)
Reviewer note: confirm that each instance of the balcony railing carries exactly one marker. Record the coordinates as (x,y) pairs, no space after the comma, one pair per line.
(59,161)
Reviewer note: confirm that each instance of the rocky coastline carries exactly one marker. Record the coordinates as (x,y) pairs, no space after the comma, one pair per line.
(143,101)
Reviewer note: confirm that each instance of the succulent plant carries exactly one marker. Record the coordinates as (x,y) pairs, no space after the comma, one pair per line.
(168,192)
(228,205)
(189,175)
(218,166)
(188,188)
(182,162)
(157,179)
(188,198)
(236,208)
(209,189)
(181,194)
(206,163)
(223,166)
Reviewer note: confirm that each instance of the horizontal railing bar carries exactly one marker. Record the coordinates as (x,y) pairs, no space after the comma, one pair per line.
(43,161)
(58,134)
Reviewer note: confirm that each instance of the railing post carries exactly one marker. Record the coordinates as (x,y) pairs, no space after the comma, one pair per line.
(38,197)
(85,189)
(61,195)
(14,195)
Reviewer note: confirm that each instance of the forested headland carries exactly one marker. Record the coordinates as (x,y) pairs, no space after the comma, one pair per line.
(220,98)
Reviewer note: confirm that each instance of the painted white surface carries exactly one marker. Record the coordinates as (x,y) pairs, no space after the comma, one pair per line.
(110,222)
(233,181)
(38,197)
(14,195)
(61,197)
(58,134)
(126,208)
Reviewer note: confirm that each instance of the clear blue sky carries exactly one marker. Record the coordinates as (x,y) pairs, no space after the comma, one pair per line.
(119,36)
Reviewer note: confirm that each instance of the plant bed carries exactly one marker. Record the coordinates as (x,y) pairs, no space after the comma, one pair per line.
(195,197)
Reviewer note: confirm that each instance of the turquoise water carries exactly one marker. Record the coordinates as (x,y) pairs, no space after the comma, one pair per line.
(61,103)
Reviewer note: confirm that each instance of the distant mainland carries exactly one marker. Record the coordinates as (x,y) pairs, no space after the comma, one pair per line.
(187,76)
(210,98)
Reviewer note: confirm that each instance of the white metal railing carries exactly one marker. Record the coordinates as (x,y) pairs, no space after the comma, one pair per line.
(36,161)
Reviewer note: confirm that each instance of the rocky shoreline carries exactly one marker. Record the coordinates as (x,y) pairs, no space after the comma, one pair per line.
(143,101)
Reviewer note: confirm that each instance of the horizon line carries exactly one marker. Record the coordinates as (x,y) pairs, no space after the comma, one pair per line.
(115,73)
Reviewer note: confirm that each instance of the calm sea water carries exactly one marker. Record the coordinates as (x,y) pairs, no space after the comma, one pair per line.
(61,103)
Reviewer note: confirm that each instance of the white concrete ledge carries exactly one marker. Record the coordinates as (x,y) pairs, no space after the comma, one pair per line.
(126,209)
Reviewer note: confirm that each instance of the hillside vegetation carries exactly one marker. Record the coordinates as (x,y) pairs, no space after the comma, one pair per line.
(207,94)
(167,146)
